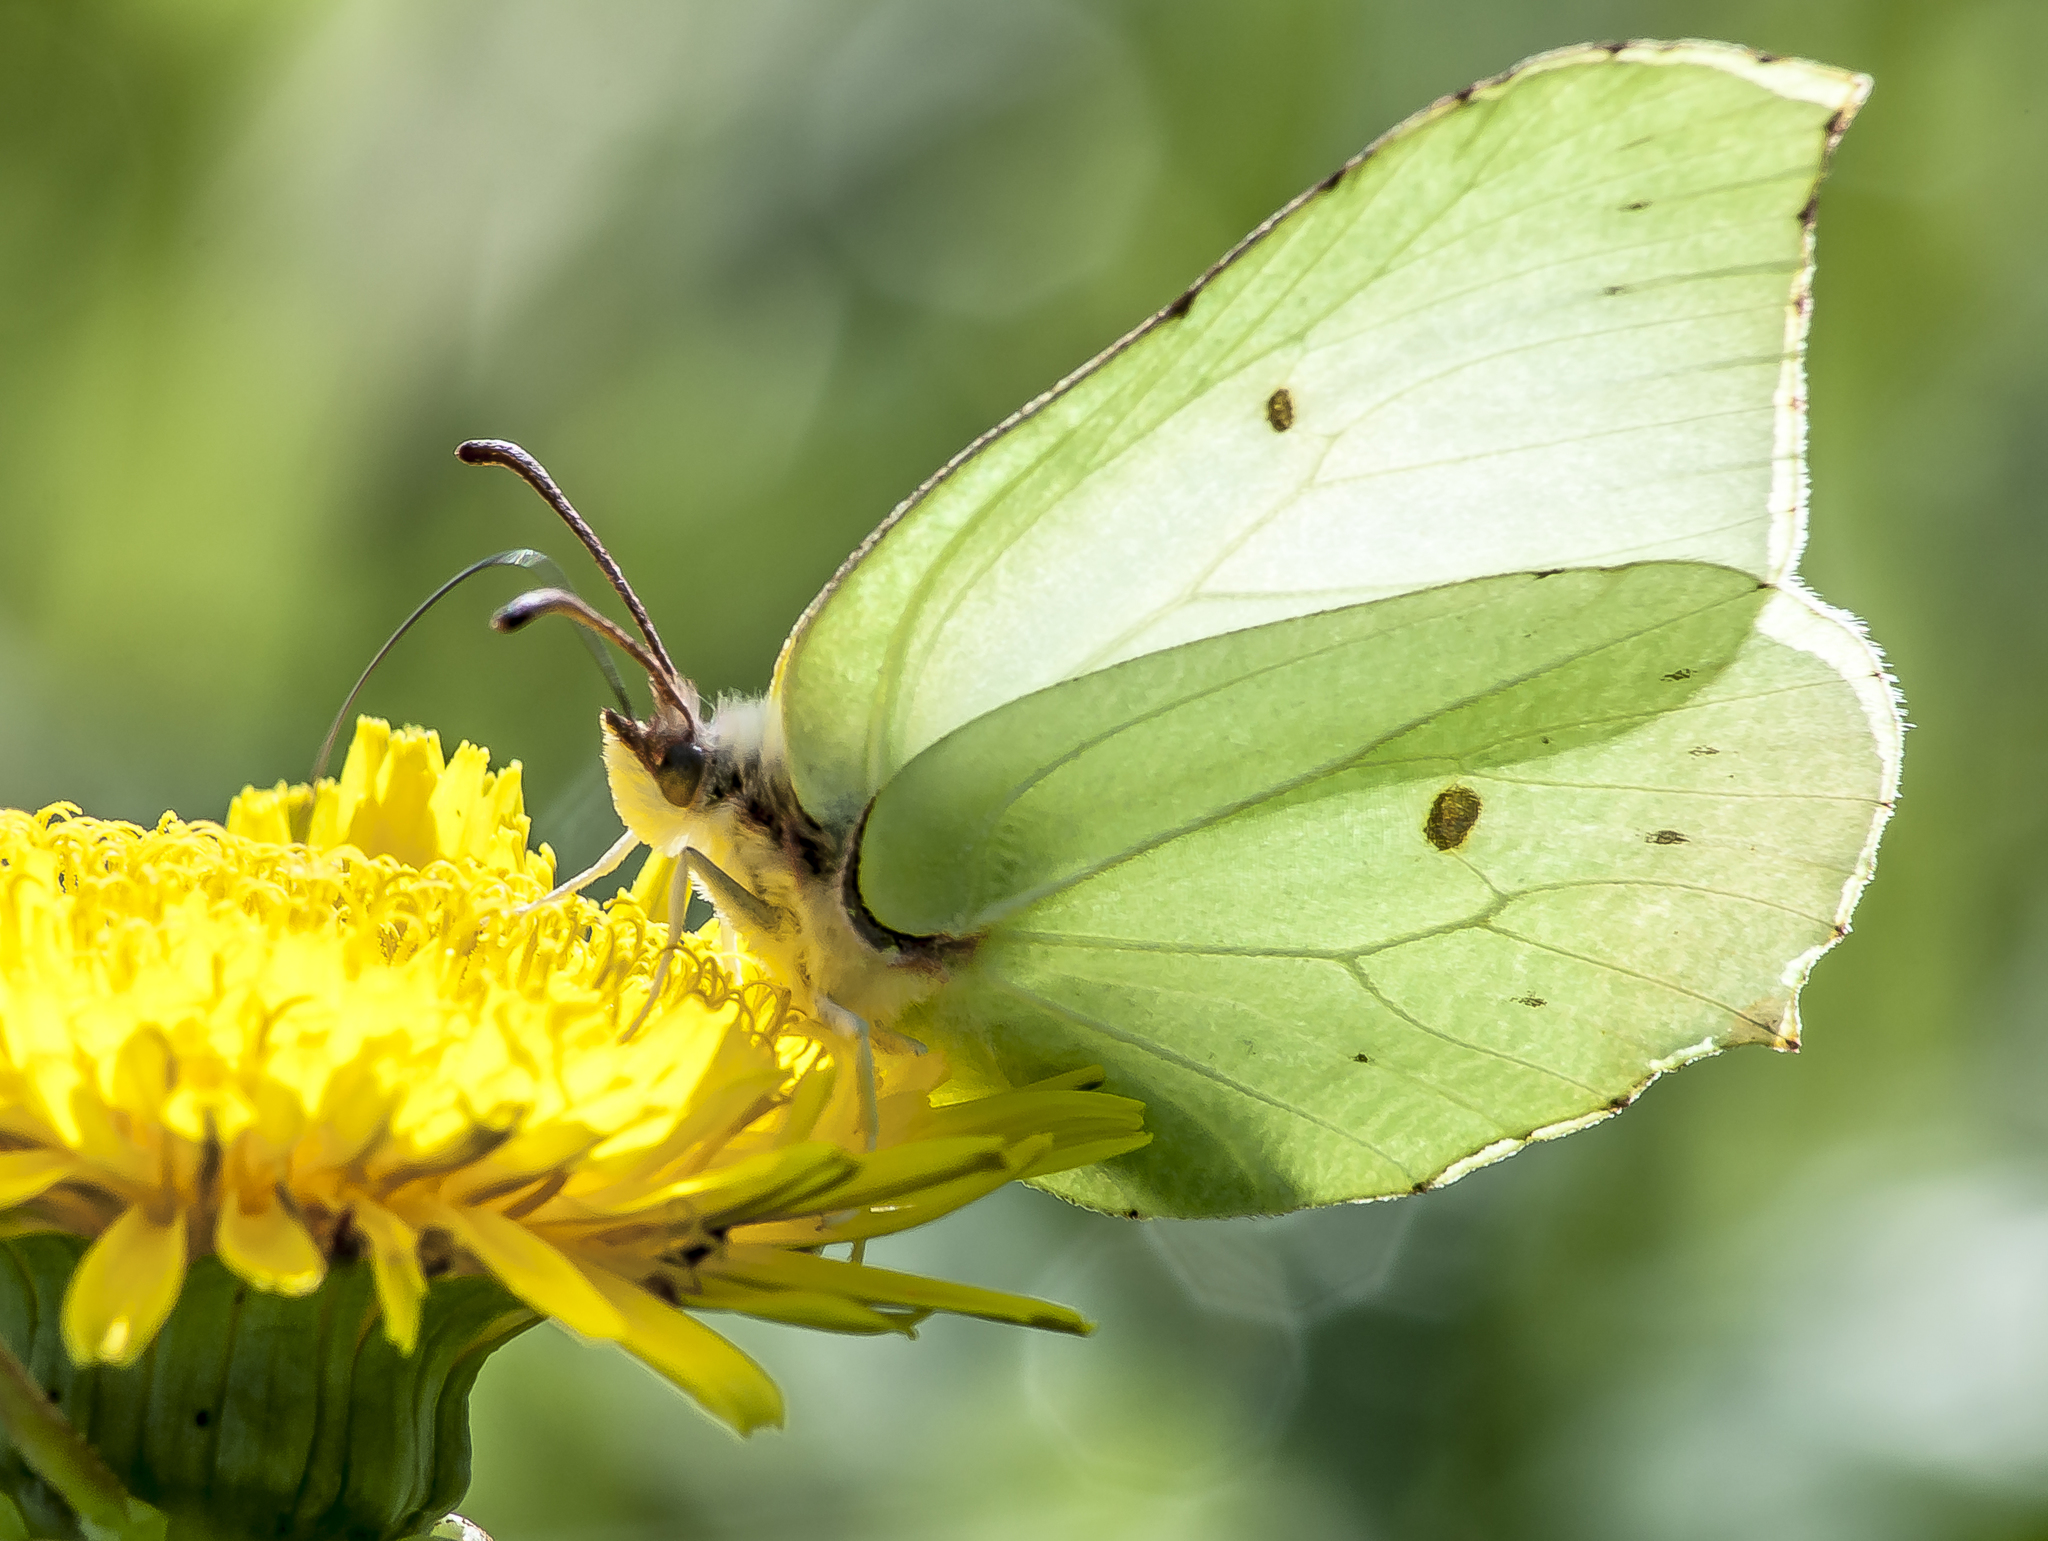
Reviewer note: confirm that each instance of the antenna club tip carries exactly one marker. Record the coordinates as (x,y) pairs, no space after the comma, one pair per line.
(514,614)
(485,452)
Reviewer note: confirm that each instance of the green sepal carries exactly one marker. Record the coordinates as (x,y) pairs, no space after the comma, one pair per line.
(255,1415)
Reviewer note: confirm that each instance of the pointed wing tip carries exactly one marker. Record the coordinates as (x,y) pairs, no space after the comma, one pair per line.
(1825,85)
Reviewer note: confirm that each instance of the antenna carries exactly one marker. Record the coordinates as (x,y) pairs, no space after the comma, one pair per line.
(536,603)
(521,557)
(504,452)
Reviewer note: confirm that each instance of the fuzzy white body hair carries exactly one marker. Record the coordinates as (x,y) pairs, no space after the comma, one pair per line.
(745,819)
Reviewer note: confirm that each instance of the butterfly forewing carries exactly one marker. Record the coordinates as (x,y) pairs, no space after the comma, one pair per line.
(1553,322)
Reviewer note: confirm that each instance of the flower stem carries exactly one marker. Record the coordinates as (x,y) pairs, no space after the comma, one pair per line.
(55,1451)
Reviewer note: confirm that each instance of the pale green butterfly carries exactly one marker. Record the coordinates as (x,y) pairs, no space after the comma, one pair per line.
(1369,710)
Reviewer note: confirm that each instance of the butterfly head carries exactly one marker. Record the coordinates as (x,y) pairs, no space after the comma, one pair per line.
(669,750)
(656,769)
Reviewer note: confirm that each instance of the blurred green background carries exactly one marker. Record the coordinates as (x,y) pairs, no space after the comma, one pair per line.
(742,276)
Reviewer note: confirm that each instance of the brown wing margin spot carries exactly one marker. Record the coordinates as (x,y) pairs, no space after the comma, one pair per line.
(1451,818)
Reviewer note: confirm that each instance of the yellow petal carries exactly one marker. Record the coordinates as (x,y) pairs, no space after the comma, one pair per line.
(773,1268)
(395,819)
(124,1287)
(730,1386)
(26,1173)
(775,1180)
(650,888)
(1061,1158)
(395,1268)
(267,1246)
(1043,1109)
(461,828)
(799,1308)
(911,1205)
(267,815)
(529,1268)
(904,1169)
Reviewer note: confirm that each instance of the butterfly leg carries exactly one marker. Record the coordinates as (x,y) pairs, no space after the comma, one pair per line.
(735,902)
(855,1027)
(678,906)
(603,867)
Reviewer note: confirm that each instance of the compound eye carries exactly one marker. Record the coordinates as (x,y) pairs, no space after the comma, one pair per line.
(679,770)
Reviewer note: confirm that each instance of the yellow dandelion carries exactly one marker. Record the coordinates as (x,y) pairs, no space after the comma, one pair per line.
(326,1038)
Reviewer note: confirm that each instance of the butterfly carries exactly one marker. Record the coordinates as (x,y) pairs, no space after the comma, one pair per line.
(1370,710)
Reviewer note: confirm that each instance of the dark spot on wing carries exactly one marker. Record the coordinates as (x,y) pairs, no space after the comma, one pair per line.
(1530,1000)
(1360,1059)
(1812,206)
(1614,48)
(1664,837)
(1550,572)
(1840,930)
(1764,58)
(1179,307)
(1640,203)
(201,1418)
(1838,124)
(1132,1214)
(1678,674)
(1615,289)
(1329,183)
(1703,749)
(1451,818)
(1280,410)
(1463,95)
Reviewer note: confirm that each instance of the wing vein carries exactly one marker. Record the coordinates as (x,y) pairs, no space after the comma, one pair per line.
(1210,1073)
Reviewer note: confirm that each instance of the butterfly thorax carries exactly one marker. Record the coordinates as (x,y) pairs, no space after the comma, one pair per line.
(722,788)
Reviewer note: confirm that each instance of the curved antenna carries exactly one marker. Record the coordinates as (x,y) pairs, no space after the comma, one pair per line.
(504,452)
(535,603)
(521,557)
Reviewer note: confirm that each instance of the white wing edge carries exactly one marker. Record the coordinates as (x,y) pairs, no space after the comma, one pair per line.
(1841,91)
(1797,619)
(1795,79)
(1500,1150)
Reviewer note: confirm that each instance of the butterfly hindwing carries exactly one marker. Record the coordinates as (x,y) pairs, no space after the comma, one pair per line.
(1350,898)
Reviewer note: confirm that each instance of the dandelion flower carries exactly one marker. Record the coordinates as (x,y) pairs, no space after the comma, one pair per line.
(325,1046)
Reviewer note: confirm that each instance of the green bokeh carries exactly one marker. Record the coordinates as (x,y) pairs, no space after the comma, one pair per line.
(743,275)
